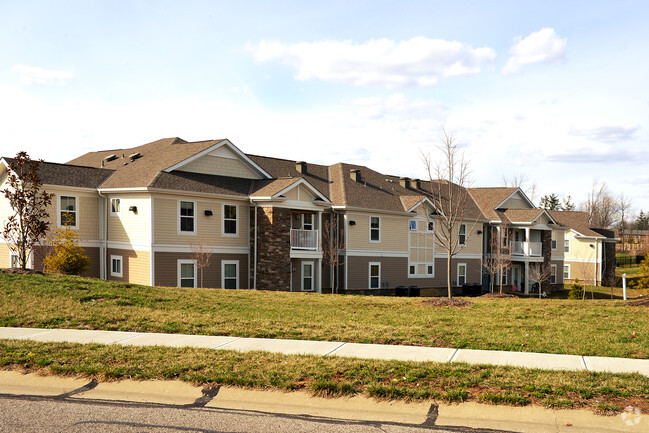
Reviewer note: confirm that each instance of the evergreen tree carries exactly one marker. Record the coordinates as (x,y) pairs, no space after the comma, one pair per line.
(642,222)
(568,204)
(550,202)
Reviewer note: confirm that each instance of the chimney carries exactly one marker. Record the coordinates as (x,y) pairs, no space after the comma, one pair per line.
(417,183)
(404,182)
(355,174)
(300,166)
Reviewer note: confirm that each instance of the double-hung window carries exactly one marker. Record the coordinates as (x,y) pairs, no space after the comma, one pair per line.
(116,266)
(186,273)
(461,274)
(187,216)
(554,240)
(307,276)
(230,272)
(229,219)
(68,211)
(462,234)
(13,260)
(553,274)
(375,275)
(115,205)
(375,229)
(566,272)
(566,246)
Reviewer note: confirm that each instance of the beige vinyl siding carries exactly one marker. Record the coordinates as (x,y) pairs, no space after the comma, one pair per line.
(127,226)
(5,255)
(394,232)
(220,166)
(87,213)
(135,266)
(580,249)
(559,236)
(301,193)
(474,240)
(515,202)
(207,228)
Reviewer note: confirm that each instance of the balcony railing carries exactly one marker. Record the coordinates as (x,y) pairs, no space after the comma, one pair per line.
(528,249)
(304,239)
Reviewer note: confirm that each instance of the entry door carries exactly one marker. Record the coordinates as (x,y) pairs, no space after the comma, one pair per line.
(516,278)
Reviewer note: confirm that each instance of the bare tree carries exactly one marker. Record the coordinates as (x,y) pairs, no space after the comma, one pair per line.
(601,206)
(499,257)
(331,245)
(29,222)
(520,180)
(449,180)
(201,252)
(540,273)
(624,204)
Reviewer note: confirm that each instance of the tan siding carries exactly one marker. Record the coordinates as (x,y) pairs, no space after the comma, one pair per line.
(135,266)
(291,194)
(5,256)
(394,232)
(87,214)
(474,240)
(208,228)
(166,269)
(220,166)
(127,226)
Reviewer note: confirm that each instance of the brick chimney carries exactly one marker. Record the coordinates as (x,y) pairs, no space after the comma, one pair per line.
(300,166)
(355,174)
(404,182)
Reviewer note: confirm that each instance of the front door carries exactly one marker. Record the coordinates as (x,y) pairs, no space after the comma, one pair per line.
(516,278)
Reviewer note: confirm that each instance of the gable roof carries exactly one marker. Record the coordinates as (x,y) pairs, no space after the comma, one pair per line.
(577,221)
(489,199)
(70,175)
(525,215)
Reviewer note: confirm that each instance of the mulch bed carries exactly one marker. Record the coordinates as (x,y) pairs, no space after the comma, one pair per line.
(447,302)
(498,295)
(20,271)
(639,302)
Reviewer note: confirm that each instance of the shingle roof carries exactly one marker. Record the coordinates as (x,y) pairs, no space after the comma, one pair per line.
(272,187)
(317,175)
(204,183)
(489,198)
(523,215)
(71,175)
(578,221)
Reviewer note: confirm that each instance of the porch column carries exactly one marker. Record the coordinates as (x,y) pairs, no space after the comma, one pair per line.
(319,280)
(527,278)
(528,249)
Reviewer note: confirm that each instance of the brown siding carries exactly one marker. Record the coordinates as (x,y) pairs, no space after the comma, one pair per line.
(93,253)
(166,268)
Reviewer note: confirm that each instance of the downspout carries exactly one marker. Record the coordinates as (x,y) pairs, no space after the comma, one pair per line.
(254,274)
(104,247)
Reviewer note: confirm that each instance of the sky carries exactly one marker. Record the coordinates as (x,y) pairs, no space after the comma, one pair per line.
(553,91)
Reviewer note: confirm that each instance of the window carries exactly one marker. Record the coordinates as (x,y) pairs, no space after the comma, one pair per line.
(553,274)
(412,269)
(462,235)
(413,225)
(429,270)
(566,246)
(431,226)
(68,211)
(307,221)
(375,229)
(421,250)
(505,277)
(186,273)
(229,219)
(13,260)
(307,276)
(554,240)
(116,266)
(566,272)
(187,217)
(375,275)
(114,206)
(230,272)
(461,274)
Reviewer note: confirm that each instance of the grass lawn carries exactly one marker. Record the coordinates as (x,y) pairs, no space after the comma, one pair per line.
(601,327)
(324,376)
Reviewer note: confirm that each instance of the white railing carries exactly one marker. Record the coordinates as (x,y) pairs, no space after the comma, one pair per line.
(529,249)
(304,239)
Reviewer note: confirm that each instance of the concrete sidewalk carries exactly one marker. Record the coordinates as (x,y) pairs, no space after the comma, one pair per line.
(544,361)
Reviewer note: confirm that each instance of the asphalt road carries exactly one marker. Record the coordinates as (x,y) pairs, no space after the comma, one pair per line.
(65,414)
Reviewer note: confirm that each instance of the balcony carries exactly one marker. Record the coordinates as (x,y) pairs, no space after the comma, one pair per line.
(304,240)
(527,249)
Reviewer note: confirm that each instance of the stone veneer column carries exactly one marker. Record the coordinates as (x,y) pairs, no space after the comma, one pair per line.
(273,249)
(546,252)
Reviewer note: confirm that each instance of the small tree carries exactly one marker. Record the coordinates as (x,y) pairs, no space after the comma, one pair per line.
(29,223)
(201,252)
(66,257)
(332,244)
(499,258)
(449,180)
(540,273)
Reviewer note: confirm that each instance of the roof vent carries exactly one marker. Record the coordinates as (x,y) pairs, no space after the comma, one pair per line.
(404,182)
(355,174)
(110,157)
(135,156)
(417,183)
(300,166)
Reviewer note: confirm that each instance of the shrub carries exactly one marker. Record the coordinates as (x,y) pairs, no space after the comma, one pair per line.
(576,290)
(67,257)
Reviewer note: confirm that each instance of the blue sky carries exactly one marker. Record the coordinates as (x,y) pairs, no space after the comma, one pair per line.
(555,91)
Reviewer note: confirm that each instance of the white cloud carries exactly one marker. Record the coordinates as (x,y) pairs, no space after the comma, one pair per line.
(396,104)
(606,133)
(35,75)
(417,62)
(543,46)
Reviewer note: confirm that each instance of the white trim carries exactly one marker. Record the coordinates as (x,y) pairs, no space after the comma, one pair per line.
(369,275)
(120,259)
(569,272)
(377,241)
(564,246)
(296,184)
(187,232)
(466,235)
(13,254)
(76,212)
(229,262)
(217,249)
(373,253)
(465,256)
(457,275)
(77,190)
(216,146)
(553,273)
(185,262)
(236,220)
(520,191)
(303,264)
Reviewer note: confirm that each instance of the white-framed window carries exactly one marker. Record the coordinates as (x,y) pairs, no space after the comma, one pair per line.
(430,227)
(461,274)
(554,240)
(186,217)
(462,234)
(430,270)
(230,224)
(68,211)
(566,272)
(566,246)
(375,275)
(230,274)
(116,268)
(553,274)
(307,276)
(421,249)
(412,225)
(412,269)
(307,221)
(115,206)
(505,277)
(13,260)
(186,273)
(375,229)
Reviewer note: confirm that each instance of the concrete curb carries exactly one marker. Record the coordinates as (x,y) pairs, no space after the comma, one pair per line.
(545,361)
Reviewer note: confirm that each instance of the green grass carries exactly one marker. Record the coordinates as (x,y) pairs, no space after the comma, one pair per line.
(593,327)
(332,377)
